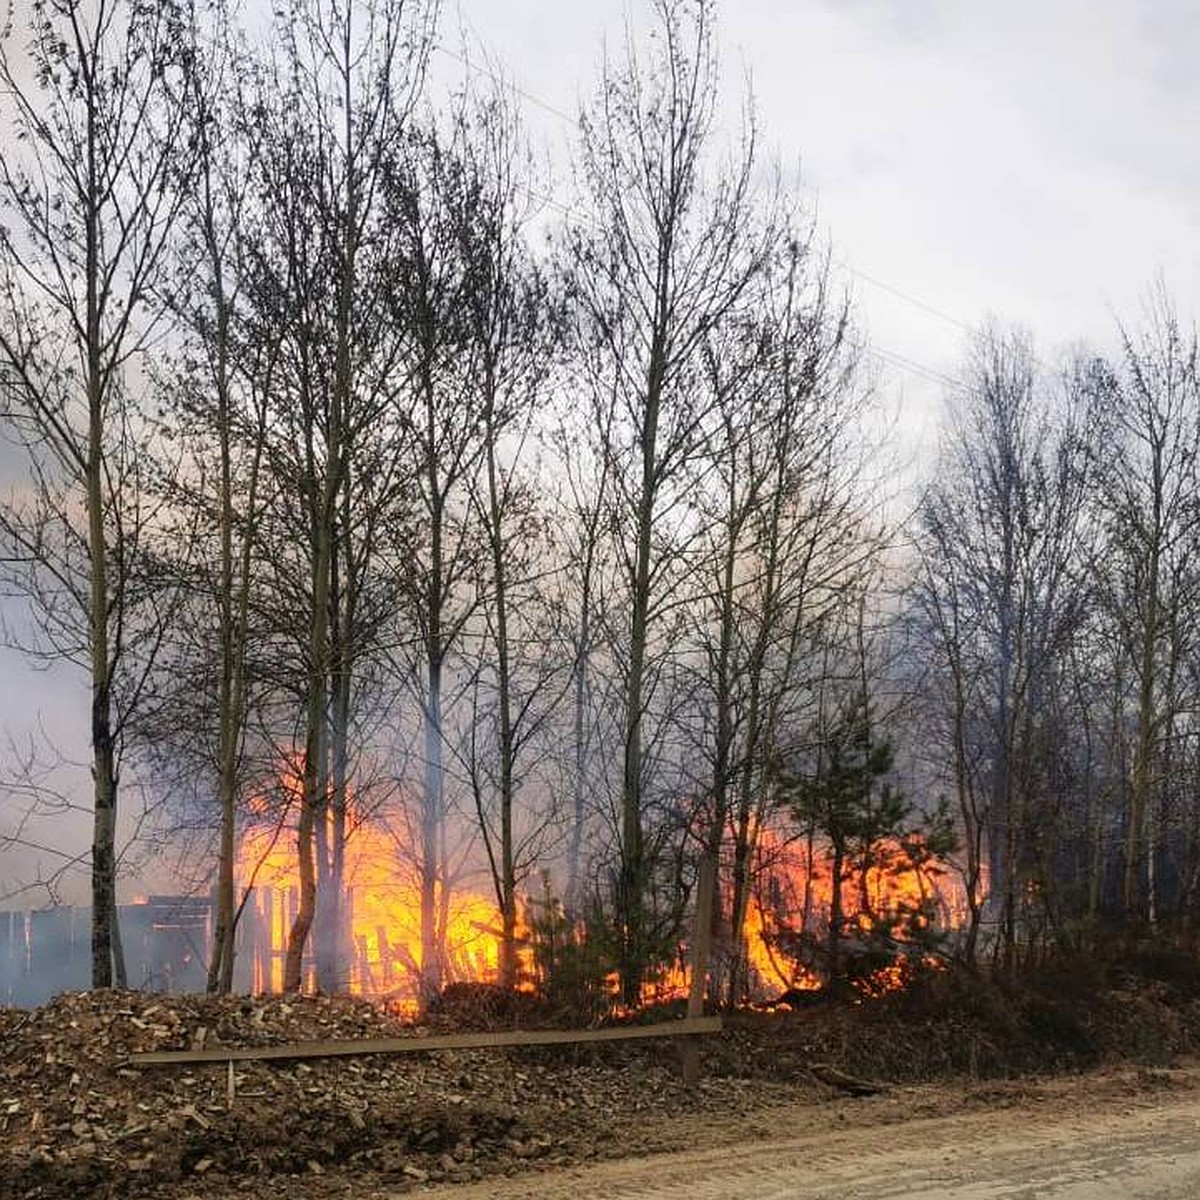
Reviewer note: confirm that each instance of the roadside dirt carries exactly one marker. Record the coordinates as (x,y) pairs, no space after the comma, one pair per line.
(1113,1136)
(78,1119)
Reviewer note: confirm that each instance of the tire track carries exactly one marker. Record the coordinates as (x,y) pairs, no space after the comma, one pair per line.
(1113,1151)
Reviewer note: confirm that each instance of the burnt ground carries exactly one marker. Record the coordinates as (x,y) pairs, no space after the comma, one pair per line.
(77,1120)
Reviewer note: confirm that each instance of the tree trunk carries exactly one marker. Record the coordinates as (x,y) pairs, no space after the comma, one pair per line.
(220,967)
(723,751)
(107,964)
(508,867)
(631,896)
(573,897)
(833,942)
(314,798)
(339,804)
(1139,792)
(432,821)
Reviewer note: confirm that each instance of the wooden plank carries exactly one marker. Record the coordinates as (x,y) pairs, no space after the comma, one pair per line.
(409,1045)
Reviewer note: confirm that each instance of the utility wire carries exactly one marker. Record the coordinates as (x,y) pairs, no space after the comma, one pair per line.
(500,81)
(887,287)
(930,374)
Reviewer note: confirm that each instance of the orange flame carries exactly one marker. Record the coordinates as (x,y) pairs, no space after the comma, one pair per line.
(381,913)
(784,933)
(897,898)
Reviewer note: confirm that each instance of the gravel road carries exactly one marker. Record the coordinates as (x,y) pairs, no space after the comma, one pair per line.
(1098,1147)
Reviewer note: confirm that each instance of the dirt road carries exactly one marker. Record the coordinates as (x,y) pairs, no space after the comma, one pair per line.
(1106,1143)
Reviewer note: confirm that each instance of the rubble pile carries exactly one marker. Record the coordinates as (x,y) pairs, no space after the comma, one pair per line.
(77,1119)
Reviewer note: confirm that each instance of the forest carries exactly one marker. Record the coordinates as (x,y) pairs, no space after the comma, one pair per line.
(558,551)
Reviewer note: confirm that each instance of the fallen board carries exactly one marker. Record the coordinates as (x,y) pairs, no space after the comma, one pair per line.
(409,1045)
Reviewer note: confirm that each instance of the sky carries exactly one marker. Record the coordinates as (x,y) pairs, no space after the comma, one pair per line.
(1032,160)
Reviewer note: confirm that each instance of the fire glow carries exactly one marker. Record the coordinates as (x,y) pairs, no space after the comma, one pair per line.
(382,914)
(785,929)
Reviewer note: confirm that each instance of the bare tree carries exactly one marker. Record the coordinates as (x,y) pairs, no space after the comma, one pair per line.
(669,253)
(582,590)
(511,323)
(1148,497)
(327,115)
(1004,594)
(218,399)
(90,194)
(789,539)
(441,444)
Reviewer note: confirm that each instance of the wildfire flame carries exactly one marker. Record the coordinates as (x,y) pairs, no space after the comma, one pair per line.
(784,933)
(899,898)
(381,911)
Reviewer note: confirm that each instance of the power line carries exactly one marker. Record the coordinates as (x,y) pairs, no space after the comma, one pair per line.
(892,357)
(930,374)
(899,293)
(500,81)
(887,287)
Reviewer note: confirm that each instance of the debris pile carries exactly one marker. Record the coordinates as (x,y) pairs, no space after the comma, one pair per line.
(76,1118)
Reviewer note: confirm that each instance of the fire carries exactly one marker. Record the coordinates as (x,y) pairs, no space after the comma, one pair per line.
(773,968)
(381,911)
(897,901)
(891,910)
(892,905)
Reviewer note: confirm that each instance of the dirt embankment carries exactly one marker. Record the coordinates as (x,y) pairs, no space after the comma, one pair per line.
(77,1120)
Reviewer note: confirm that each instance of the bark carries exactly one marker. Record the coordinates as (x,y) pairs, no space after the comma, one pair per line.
(432,828)
(107,964)
(633,954)
(1144,747)
(833,938)
(339,801)
(233,592)
(572,899)
(504,682)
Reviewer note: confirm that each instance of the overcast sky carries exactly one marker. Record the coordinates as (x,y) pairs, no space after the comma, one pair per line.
(1033,159)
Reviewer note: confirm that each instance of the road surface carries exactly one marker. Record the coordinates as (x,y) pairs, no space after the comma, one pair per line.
(1108,1147)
